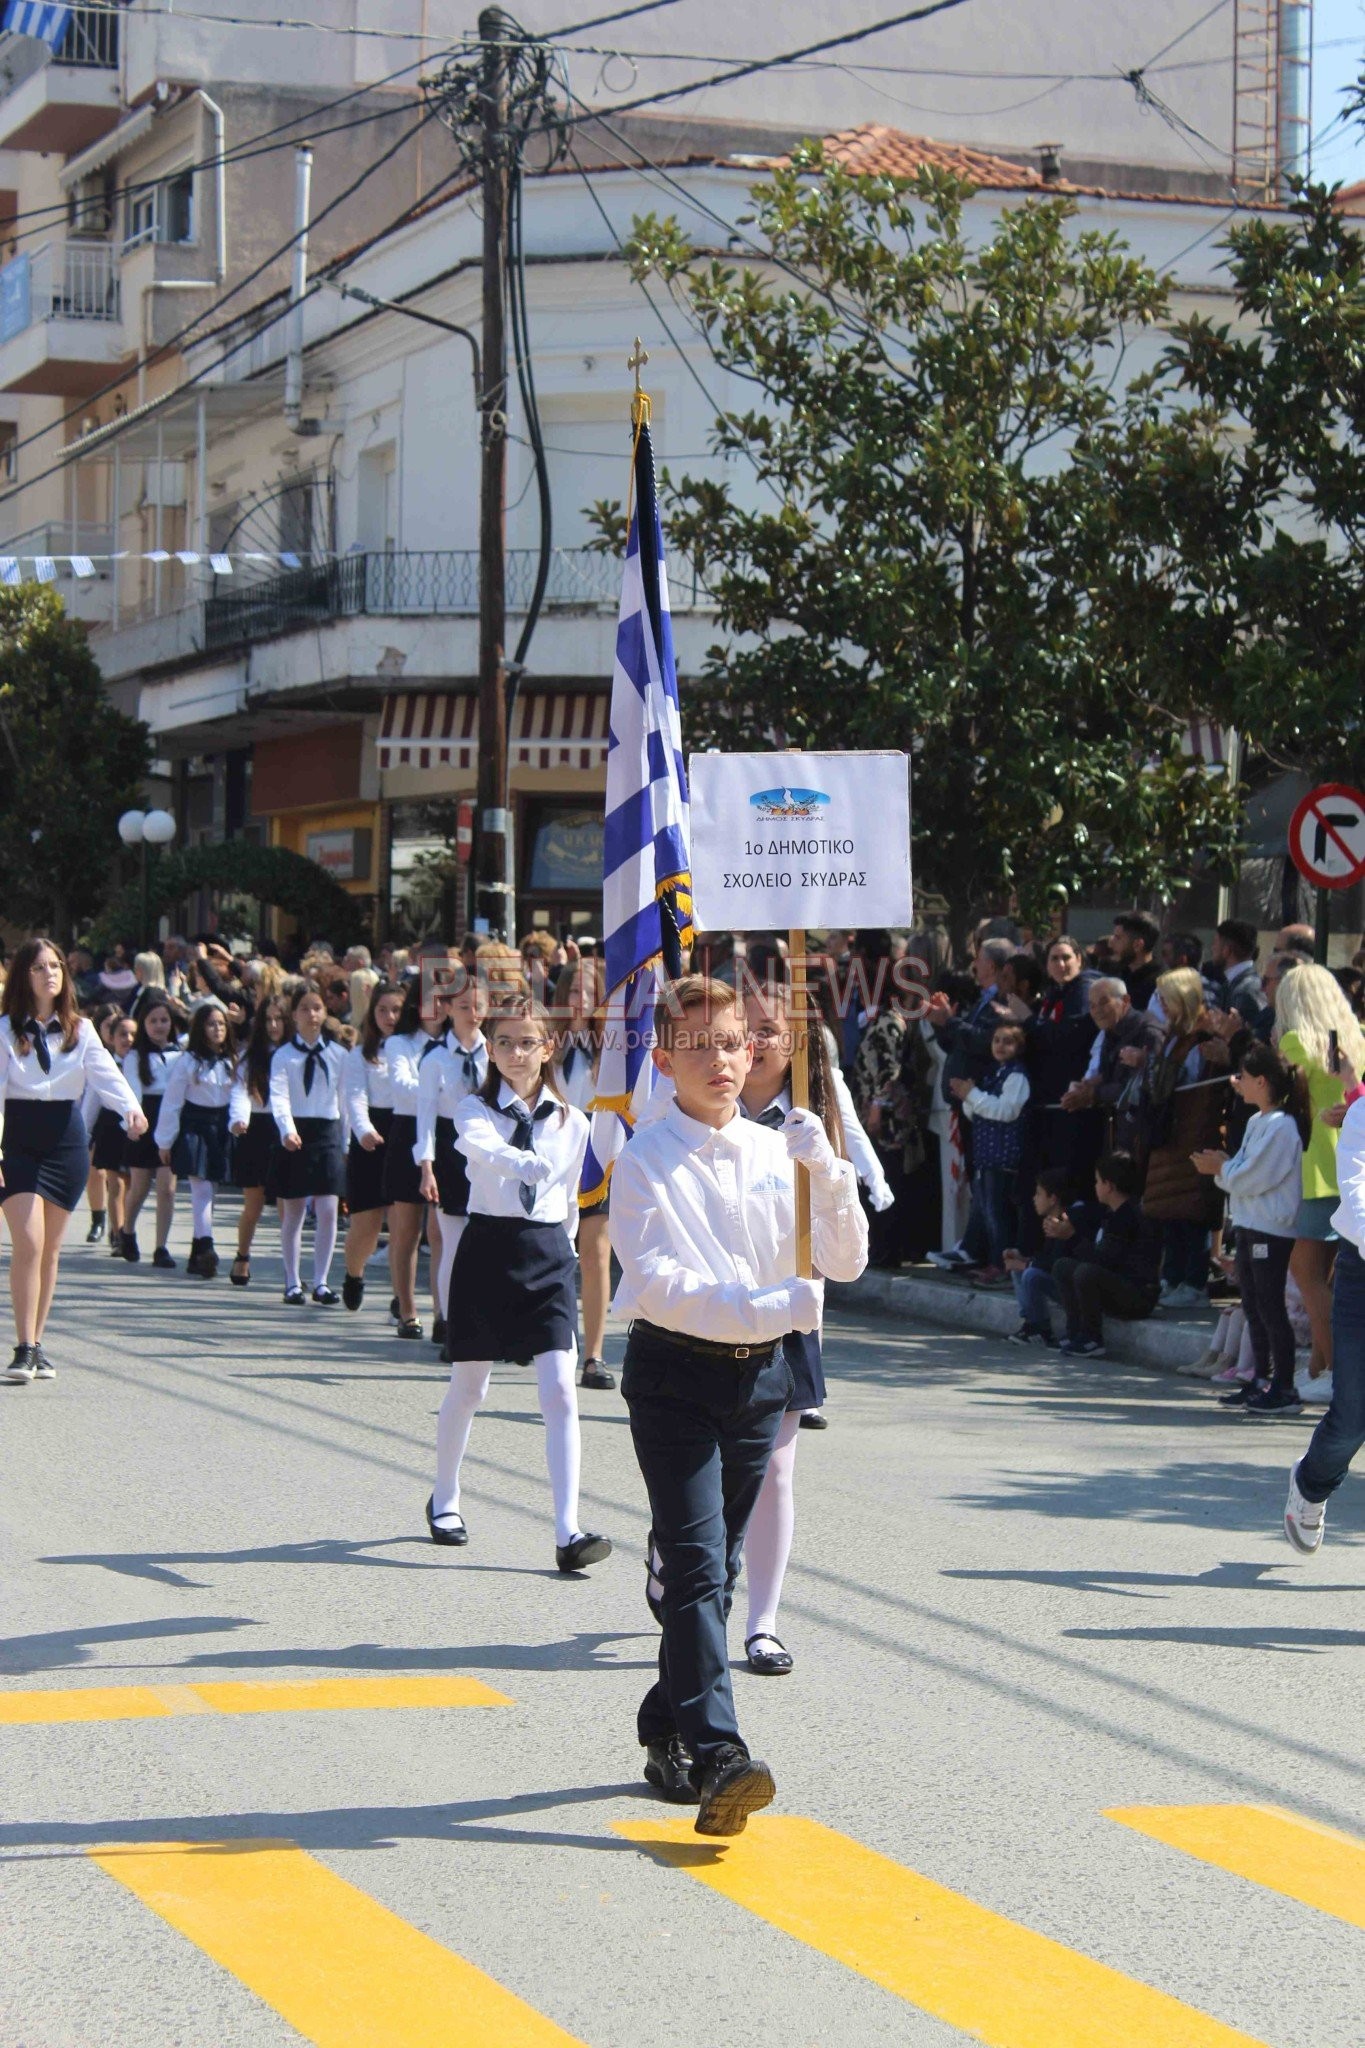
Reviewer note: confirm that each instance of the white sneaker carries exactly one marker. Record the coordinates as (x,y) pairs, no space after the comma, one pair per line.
(1303,1519)
(1183,1297)
(1318,1391)
(954,1261)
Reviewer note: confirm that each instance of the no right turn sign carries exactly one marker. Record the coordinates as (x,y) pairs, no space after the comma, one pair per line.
(1327,836)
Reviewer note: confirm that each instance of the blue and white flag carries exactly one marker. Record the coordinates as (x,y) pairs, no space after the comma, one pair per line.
(646,862)
(44,19)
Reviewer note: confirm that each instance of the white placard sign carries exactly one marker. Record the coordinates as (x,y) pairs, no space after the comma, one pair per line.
(785,841)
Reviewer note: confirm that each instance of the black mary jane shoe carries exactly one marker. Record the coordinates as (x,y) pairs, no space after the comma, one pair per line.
(408,1326)
(813,1419)
(768,1663)
(454,1539)
(294,1297)
(584,1550)
(240,1276)
(326,1297)
(595,1375)
(668,1767)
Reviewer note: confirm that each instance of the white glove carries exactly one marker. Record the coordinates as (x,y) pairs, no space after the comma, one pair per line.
(532,1170)
(807,1143)
(881,1197)
(808,1304)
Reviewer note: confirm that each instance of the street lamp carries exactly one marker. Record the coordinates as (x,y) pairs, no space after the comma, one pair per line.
(144,829)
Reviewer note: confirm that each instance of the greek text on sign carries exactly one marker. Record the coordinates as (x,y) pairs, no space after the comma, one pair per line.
(783,841)
(1327,836)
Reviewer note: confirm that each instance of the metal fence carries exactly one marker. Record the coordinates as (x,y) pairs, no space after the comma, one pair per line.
(91,39)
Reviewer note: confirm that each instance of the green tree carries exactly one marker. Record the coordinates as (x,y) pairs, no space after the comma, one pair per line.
(936,555)
(70,763)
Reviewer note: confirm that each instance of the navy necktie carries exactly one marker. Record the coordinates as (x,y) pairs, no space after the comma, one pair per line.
(315,1056)
(471,1066)
(523,1130)
(772,1118)
(430,1046)
(36,1034)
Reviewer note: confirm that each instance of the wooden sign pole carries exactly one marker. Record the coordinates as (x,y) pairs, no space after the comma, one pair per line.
(800,1086)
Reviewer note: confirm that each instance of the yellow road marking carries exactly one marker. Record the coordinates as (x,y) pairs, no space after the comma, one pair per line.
(997,1981)
(303,1696)
(1282,1852)
(338,1966)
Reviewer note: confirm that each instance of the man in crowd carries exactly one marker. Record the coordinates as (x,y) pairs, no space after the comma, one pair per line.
(1120,1025)
(1132,948)
(1234,956)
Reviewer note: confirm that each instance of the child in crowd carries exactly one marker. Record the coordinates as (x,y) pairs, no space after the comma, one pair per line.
(305,1101)
(1263,1183)
(1034,1284)
(192,1127)
(704,1225)
(1114,1270)
(996,1106)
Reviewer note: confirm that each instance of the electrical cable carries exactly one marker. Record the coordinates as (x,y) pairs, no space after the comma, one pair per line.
(521,347)
(1185,34)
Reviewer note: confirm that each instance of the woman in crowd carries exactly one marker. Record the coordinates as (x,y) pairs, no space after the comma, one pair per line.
(367,1087)
(1182,1094)
(255,1140)
(305,1101)
(147,1069)
(1317,1030)
(1060,1042)
(192,1128)
(151,980)
(49,1055)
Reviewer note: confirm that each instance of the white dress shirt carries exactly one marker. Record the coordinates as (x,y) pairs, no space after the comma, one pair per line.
(242,1104)
(365,1085)
(857,1144)
(575,1070)
(703,1222)
(87,1064)
(205,1083)
(484,1134)
(1348,1218)
(403,1058)
(159,1065)
(443,1081)
(287,1097)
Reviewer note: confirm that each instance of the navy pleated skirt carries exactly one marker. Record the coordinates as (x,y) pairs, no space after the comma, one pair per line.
(46,1151)
(142,1151)
(253,1153)
(452,1174)
(402,1176)
(108,1142)
(365,1170)
(202,1150)
(318,1167)
(511,1290)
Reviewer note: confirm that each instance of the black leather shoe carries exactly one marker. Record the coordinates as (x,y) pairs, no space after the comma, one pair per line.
(595,1374)
(668,1766)
(733,1786)
(208,1260)
(129,1242)
(95,1234)
(326,1297)
(161,1258)
(813,1421)
(352,1291)
(775,1663)
(438,1330)
(294,1297)
(408,1327)
(455,1539)
(584,1550)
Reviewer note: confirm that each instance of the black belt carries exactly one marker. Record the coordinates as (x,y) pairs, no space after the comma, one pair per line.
(733,1354)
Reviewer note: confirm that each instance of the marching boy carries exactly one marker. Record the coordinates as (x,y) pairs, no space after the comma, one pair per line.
(703,1221)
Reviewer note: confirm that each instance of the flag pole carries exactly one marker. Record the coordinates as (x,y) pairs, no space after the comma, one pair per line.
(800,1087)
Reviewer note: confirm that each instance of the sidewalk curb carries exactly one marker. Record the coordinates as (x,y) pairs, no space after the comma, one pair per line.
(1164,1343)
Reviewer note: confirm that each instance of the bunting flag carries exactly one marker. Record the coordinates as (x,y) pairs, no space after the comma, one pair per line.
(47,568)
(646,862)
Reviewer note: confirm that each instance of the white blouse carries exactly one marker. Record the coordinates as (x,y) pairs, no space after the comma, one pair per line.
(159,1065)
(208,1084)
(574,1071)
(365,1085)
(403,1058)
(287,1097)
(444,1079)
(483,1134)
(86,1064)
(242,1104)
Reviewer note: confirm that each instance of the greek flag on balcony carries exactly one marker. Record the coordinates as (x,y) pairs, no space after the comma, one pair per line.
(646,863)
(41,18)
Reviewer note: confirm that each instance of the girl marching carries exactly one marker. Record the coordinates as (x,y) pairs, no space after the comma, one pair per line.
(367,1087)
(192,1128)
(147,1069)
(49,1053)
(579,994)
(419,1031)
(305,1101)
(255,1140)
(457,1065)
(514,1268)
(107,1181)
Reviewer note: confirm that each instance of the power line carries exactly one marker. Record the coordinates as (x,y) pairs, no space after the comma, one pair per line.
(1185,34)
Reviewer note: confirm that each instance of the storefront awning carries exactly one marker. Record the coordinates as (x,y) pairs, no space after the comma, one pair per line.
(550,729)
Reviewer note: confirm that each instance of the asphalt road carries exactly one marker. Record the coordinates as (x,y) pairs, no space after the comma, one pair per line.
(1027,1596)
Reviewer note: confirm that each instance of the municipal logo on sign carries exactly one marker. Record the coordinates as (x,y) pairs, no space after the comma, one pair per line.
(1327,836)
(789,803)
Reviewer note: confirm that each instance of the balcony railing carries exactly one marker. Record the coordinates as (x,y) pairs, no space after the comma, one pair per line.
(412,584)
(90,44)
(60,281)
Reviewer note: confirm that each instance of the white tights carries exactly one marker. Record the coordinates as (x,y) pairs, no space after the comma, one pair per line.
(768,1539)
(292,1212)
(451,1230)
(201,1207)
(558,1404)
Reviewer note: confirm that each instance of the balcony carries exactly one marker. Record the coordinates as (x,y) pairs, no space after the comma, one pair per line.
(62,102)
(88,598)
(60,327)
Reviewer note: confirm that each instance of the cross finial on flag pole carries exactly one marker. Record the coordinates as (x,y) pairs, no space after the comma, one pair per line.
(640,404)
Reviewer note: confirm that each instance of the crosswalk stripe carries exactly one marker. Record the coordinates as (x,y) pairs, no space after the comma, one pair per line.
(338,1966)
(1281,1852)
(994,1979)
(289,1696)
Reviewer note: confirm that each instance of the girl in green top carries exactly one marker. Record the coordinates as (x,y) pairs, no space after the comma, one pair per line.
(1309,1008)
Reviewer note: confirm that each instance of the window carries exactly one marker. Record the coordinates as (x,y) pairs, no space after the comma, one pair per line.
(163,212)
(140,225)
(296,517)
(90,206)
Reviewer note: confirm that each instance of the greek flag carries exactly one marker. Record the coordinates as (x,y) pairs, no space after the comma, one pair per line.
(44,19)
(646,864)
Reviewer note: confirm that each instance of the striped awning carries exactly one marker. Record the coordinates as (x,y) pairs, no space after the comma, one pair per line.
(550,729)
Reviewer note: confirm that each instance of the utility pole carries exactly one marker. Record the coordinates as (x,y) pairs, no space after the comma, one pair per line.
(491,880)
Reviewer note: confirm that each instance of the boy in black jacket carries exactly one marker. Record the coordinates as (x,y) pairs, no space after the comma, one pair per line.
(1115,1272)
